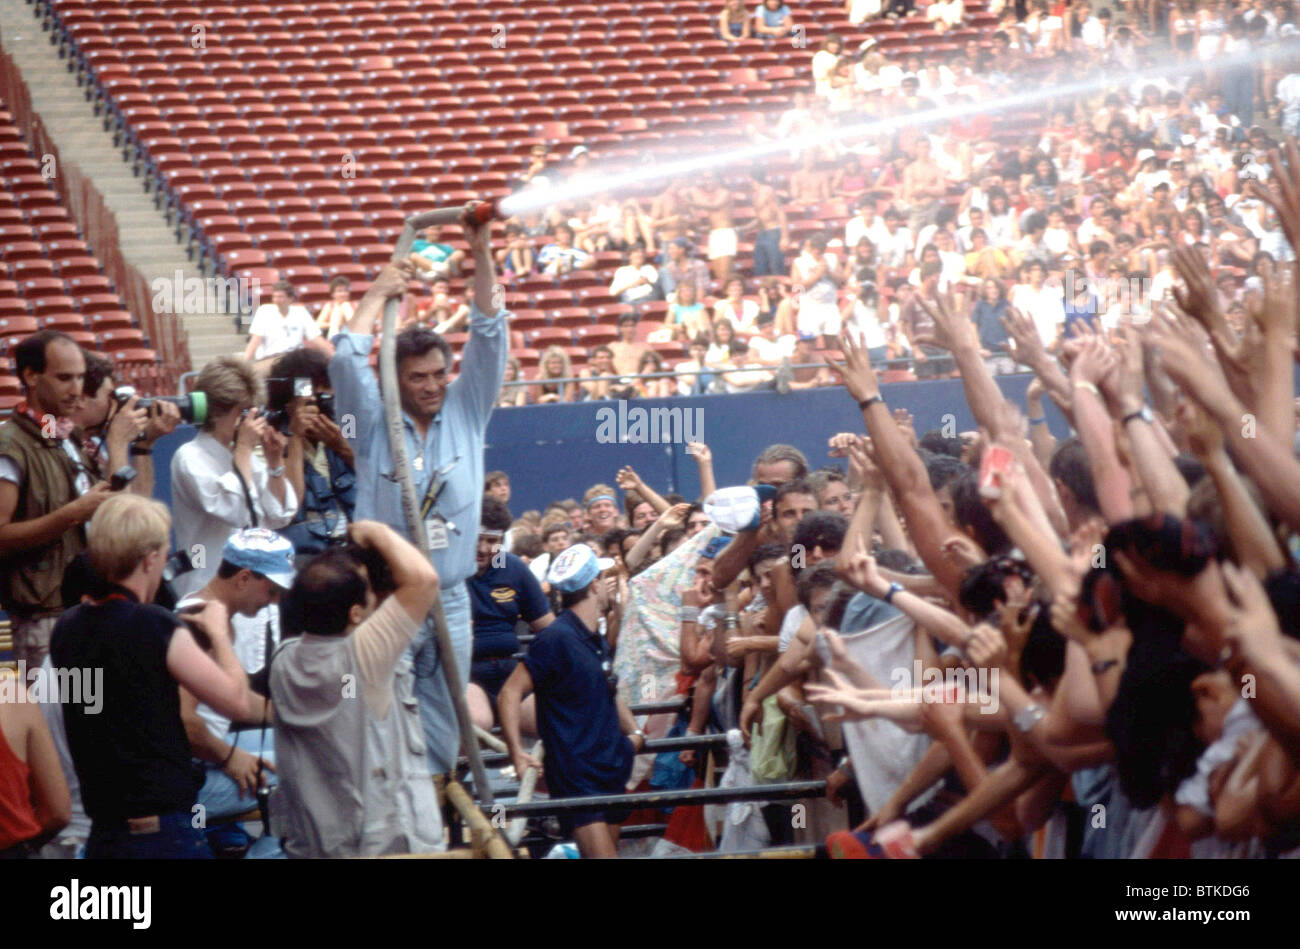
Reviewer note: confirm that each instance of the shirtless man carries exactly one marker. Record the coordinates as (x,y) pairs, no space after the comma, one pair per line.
(923,186)
(670,214)
(713,198)
(627,351)
(773,228)
(809,186)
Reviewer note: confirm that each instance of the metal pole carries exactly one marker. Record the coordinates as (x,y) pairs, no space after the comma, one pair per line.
(790,791)
(793,852)
(411,504)
(653,746)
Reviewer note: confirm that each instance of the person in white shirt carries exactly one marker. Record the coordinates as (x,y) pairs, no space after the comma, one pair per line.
(634,282)
(817,274)
(866,224)
(1044,304)
(1092,32)
(282,325)
(1287,93)
(221,483)
(945,14)
(825,62)
(860,11)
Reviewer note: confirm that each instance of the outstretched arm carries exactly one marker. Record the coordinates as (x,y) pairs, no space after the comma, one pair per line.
(902,467)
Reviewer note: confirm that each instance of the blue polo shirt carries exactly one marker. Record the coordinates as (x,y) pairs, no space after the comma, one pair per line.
(586,750)
(499,597)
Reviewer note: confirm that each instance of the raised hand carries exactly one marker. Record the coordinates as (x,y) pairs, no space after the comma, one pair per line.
(1204,436)
(903,419)
(627,479)
(859,378)
(953,330)
(1286,175)
(1199,299)
(700,452)
(986,646)
(1028,347)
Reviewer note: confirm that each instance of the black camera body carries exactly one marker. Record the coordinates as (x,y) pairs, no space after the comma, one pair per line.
(280,393)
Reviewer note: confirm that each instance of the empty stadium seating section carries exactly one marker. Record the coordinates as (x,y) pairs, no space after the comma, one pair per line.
(49,279)
(292,139)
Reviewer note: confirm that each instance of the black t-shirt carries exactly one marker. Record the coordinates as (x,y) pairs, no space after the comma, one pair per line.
(131,753)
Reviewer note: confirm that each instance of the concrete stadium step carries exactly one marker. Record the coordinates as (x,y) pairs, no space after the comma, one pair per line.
(149,243)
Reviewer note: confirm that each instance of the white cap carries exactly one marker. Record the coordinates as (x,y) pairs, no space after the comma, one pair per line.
(1187,140)
(738,508)
(1144,155)
(575,568)
(578,150)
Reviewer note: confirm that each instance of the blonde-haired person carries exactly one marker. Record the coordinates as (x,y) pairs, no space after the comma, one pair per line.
(554,364)
(513,395)
(232,474)
(132,755)
(601,506)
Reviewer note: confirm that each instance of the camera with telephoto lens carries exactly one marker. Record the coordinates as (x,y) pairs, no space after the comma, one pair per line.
(194,407)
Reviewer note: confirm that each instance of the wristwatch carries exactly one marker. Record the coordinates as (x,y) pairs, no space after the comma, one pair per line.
(1028,717)
(275,472)
(870,400)
(893,588)
(1143,413)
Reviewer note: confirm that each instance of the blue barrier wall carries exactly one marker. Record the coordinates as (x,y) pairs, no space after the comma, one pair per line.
(557,451)
(553,451)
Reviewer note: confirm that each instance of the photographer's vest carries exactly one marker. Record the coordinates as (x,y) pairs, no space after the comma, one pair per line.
(30,579)
(350,785)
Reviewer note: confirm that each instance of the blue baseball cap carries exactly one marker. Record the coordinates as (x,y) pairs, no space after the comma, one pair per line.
(576,568)
(262,551)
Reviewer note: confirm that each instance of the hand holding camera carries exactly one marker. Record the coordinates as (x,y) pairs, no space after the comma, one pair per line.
(129,421)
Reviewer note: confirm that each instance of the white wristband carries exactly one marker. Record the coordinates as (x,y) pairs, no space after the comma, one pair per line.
(690,614)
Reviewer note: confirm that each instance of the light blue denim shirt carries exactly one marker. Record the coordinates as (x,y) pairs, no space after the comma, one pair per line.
(454,440)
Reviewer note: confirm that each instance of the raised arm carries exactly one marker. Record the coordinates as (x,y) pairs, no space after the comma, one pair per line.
(902,467)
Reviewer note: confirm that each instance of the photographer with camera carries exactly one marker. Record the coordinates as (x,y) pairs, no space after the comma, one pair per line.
(47,490)
(233,474)
(131,754)
(353,780)
(444,426)
(326,481)
(119,431)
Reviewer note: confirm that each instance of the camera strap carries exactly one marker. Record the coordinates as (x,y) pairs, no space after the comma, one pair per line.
(248,497)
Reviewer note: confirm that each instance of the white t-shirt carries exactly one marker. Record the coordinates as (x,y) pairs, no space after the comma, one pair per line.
(281,333)
(1045,307)
(857,229)
(866,319)
(790,624)
(823,67)
(624,278)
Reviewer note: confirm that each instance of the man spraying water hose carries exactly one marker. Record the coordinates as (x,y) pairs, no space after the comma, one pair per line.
(444,425)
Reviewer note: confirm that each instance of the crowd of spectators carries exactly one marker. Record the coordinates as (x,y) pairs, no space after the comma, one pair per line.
(1111,616)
